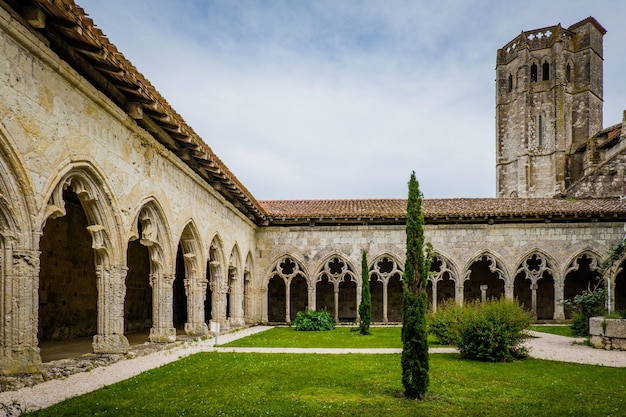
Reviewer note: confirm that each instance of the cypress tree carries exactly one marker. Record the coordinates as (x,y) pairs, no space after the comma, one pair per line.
(414,334)
(365,307)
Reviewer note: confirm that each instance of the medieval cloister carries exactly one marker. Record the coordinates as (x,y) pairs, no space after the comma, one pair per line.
(116,218)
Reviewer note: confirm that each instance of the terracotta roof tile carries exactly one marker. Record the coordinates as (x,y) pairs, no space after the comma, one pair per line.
(445,207)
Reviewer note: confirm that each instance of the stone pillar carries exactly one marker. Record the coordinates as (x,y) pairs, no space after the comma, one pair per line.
(236,299)
(359,291)
(336,291)
(458,293)
(288,302)
(434,287)
(111,293)
(533,297)
(19,278)
(162,330)
(483,293)
(385,282)
(196,294)
(218,313)
(263,295)
(508,290)
(312,295)
(559,312)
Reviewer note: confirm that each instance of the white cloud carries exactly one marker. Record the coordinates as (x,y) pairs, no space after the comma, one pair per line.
(343,99)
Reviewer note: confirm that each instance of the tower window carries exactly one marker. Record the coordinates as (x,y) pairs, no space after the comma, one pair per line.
(545,71)
(568,73)
(540,130)
(533,73)
(510,83)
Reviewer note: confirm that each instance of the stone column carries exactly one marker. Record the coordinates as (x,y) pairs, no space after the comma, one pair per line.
(559,312)
(533,298)
(434,287)
(263,295)
(196,294)
(336,291)
(458,293)
(312,294)
(111,293)
(359,291)
(162,330)
(218,313)
(385,282)
(19,278)
(483,293)
(508,290)
(236,299)
(288,301)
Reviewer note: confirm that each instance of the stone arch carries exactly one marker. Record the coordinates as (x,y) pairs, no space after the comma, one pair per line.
(150,233)
(19,265)
(333,291)
(215,299)
(488,270)
(248,290)
(285,269)
(617,280)
(385,272)
(534,284)
(443,279)
(86,186)
(234,298)
(190,282)
(582,272)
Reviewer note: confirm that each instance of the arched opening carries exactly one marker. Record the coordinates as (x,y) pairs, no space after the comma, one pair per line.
(347,301)
(545,297)
(484,281)
(510,83)
(533,73)
(138,299)
(568,73)
(376,290)
(276,300)
(545,71)
(325,295)
(68,294)
(298,296)
(583,275)
(179,297)
(208,300)
(394,298)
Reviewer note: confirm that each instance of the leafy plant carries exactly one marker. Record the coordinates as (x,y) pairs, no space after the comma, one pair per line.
(365,306)
(414,358)
(493,331)
(444,324)
(313,320)
(583,306)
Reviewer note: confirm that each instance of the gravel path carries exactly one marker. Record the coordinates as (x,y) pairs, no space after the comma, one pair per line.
(12,403)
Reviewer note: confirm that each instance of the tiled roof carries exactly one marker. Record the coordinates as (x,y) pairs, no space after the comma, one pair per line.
(74,36)
(444,207)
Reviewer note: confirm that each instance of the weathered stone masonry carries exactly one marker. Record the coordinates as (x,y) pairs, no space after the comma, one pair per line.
(116,218)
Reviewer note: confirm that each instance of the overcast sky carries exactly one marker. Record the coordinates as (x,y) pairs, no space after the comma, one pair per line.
(343,99)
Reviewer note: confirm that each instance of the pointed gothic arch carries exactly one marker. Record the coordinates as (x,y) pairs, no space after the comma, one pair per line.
(386,287)
(151,231)
(90,193)
(534,284)
(442,280)
(582,272)
(190,282)
(337,287)
(285,269)
(486,276)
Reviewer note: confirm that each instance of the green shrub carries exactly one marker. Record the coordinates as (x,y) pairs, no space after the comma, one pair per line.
(444,324)
(312,320)
(493,331)
(585,305)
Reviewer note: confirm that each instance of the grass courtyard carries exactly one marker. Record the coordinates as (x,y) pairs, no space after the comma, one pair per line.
(254,384)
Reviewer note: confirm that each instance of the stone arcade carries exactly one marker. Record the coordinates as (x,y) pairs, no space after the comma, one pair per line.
(116,218)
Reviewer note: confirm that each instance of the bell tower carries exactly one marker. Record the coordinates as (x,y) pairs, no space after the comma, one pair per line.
(548,101)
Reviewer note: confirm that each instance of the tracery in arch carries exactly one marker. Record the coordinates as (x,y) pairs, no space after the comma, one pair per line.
(336,289)
(534,285)
(581,274)
(442,278)
(485,278)
(386,288)
(287,275)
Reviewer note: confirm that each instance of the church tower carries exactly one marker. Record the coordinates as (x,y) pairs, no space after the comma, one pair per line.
(548,101)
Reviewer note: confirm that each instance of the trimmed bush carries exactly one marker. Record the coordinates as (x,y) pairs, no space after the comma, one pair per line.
(444,324)
(493,331)
(313,320)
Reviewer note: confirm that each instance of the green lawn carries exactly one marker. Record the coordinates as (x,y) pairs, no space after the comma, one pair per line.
(559,330)
(340,337)
(231,384)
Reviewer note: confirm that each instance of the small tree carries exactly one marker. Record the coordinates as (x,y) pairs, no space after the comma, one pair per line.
(414,281)
(365,307)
